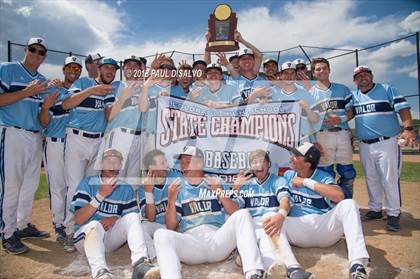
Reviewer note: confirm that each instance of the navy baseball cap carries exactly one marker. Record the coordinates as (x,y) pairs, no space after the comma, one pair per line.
(109,61)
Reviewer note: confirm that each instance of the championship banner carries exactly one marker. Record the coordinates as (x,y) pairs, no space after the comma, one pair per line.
(227,136)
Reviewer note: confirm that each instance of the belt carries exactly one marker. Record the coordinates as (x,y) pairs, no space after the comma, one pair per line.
(335,129)
(131,131)
(370,141)
(87,135)
(26,129)
(57,139)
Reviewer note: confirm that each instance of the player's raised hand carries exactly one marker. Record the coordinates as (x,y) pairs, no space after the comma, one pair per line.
(272,225)
(101,89)
(208,35)
(55,83)
(302,75)
(36,87)
(152,80)
(297,181)
(304,105)
(49,101)
(108,186)
(108,222)
(222,60)
(149,181)
(128,91)
(237,36)
(174,189)
(158,59)
(241,179)
(213,182)
(195,93)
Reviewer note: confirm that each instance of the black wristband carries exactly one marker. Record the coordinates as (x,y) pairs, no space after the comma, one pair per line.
(409,128)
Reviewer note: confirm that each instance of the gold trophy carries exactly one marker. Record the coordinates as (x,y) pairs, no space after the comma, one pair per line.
(222,26)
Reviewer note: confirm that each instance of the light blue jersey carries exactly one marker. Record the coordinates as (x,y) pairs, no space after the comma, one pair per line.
(303,200)
(334,100)
(193,210)
(89,115)
(121,201)
(129,116)
(150,116)
(227,94)
(297,95)
(24,113)
(178,91)
(376,111)
(59,118)
(160,193)
(247,86)
(261,198)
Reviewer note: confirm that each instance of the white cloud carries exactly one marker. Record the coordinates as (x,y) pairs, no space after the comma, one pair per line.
(25,11)
(8,2)
(412,22)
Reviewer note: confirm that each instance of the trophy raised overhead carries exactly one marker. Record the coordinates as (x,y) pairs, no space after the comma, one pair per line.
(222,26)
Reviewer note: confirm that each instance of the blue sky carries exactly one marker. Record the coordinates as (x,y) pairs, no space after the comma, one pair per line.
(121,28)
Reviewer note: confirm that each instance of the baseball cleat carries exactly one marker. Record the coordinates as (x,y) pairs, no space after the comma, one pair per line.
(276,270)
(60,235)
(69,244)
(357,271)
(298,273)
(103,274)
(31,232)
(14,246)
(372,215)
(143,269)
(393,223)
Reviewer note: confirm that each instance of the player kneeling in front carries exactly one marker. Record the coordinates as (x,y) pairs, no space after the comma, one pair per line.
(318,215)
(203,235)
(106,216)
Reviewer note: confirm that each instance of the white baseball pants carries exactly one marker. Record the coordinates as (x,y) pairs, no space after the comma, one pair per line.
(93,241)
(207,244)
(381,164)
(54,168)
(79,154)
(325,230)
(149,230)
(336,146)
(20,167)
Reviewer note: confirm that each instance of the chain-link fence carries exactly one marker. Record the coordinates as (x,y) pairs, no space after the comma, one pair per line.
(396,62)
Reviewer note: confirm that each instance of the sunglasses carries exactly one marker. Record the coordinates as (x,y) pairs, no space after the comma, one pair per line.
(301,68)
(37,51)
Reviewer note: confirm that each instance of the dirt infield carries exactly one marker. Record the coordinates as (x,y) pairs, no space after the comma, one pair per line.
(394,255)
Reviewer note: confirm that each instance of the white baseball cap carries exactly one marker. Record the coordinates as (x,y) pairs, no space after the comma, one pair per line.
(73,59)
(92,57)
(190,151)
(299,61)
(288,65)
(361,69)
(37,41)
(245,51)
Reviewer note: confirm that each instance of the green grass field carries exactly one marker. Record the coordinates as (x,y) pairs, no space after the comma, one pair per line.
(410,173)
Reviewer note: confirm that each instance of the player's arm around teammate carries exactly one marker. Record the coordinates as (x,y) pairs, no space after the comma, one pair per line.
(44,114)
(77,98)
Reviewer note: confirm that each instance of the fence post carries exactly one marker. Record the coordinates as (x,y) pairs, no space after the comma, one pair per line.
(418,65)
(9,51)
(193,57)
(121,71)
(70,53)
(278,57)
(357,57)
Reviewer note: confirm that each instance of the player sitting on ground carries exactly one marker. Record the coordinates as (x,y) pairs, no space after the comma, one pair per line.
(264,207)
(203,235)
(153,195)
(106,216)
(318,215)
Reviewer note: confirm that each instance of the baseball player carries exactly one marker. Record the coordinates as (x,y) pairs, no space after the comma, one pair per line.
(20,143)
(333,132)
(153,196)
(289,91)
(302,74)
(184,79)
(106,215)
(55,119)
(203,234)
(125,120)
(92,62)
(157,85)
(199,75)
(216,93)
(318,215)
(375,107)
(87,101)
(270,68)
(263,205)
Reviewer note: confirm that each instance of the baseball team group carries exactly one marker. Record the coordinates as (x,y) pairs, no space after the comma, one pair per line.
(109,184)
